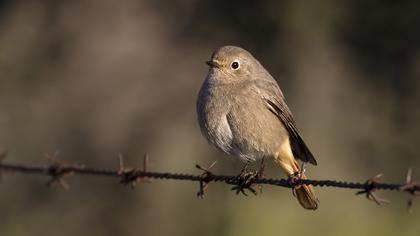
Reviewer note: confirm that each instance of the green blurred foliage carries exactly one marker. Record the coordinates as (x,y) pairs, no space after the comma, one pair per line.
(92,79)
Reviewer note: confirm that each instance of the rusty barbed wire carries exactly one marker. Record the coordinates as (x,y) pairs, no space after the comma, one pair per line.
(58,170)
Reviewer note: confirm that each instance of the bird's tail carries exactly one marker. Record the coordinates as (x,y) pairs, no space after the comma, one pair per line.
(304,193)
(306,196)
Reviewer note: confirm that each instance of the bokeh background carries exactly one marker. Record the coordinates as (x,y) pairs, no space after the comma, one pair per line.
(92,79)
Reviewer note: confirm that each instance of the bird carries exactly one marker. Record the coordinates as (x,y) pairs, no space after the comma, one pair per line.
(242,111)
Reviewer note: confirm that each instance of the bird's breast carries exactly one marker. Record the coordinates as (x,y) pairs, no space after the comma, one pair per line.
(213,105)
(238,122)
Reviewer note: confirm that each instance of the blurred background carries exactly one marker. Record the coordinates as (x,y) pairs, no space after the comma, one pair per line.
(92,79)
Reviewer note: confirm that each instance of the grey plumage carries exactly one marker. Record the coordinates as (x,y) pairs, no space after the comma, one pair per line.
(244,114)
(242,111)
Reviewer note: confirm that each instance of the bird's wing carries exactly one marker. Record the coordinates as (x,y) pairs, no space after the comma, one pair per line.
(275,102)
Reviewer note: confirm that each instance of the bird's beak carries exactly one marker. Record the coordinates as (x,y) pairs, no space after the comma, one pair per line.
(213,64)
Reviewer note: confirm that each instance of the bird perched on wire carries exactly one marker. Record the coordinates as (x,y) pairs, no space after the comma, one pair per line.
(242,111)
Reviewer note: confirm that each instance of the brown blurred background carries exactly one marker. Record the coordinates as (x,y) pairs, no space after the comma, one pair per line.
(92,79)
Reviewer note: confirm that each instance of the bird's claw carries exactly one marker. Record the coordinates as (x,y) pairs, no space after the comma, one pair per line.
(294,179)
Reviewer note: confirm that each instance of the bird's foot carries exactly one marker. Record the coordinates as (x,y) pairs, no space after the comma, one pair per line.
(295,178)
(298,175)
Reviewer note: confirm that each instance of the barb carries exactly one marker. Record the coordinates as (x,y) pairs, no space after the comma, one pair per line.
(58,170)
(131,175)
(369,191)
(408,187)
(205,178)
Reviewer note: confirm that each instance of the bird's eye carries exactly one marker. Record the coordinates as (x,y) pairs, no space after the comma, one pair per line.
(235,65)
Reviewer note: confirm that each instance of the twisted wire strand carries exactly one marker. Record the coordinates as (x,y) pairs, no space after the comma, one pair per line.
(130,175)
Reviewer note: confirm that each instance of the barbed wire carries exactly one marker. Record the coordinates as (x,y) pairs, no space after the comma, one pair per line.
(58,170)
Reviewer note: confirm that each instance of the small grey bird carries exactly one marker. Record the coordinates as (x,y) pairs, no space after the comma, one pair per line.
(242,111)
